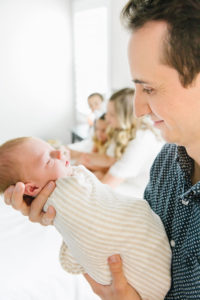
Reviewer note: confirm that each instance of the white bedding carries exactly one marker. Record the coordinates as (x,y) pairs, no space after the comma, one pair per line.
(29,266)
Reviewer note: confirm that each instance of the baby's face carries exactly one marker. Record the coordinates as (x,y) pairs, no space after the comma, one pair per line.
(95,103)
(41,163)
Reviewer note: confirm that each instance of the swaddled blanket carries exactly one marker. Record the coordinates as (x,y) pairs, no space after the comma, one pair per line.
(96,223)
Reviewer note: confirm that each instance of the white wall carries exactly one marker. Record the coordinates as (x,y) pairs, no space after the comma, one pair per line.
(35,69)
(120,73)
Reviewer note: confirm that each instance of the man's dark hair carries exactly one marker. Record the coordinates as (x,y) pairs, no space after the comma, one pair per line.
(181,48)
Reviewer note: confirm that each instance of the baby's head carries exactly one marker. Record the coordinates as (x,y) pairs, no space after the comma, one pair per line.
(33,162)
(95,101)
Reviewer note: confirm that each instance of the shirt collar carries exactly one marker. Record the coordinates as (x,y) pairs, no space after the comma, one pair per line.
(187,165)
(184,160)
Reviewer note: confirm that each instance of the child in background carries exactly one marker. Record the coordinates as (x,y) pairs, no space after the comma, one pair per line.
(94,221)
(94,145)
(100,135)
(95,102)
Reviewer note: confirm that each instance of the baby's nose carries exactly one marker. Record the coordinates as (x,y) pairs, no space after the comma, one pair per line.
(56,154)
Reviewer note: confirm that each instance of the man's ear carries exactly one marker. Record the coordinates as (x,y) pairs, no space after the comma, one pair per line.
(31,189)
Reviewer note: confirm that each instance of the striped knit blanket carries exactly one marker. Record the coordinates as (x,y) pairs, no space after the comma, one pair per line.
(96,223)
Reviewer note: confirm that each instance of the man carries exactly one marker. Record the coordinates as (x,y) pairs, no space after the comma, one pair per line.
(164,52)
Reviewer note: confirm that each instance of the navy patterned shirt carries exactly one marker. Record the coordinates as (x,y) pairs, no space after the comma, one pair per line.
(172,196)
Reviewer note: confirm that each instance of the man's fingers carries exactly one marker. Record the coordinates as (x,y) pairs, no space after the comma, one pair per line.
(17,200)
(115,265)
(39,202)
(17,196)
(49,216)
(8,194)
(96,287)
(14,196)
(25,210)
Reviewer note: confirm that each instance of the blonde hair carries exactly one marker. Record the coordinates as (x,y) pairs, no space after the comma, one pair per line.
(99,146)
(10,168)
(128,123)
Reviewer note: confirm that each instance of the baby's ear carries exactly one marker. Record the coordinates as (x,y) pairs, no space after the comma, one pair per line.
(31,189)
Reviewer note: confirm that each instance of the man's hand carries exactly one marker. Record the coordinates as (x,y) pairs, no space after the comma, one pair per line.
(119,289)
(14,196)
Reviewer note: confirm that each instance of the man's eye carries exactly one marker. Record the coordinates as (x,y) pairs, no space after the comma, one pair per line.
(148,91)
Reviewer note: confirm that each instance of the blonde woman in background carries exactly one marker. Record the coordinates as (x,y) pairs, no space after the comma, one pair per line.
(130,149)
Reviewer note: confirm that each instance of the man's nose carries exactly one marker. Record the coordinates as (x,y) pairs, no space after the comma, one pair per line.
(141,106)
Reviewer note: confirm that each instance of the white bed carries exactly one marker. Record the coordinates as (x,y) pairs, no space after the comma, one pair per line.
(29,265)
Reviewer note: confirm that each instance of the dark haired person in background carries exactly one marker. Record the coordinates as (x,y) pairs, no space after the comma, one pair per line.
(164,53)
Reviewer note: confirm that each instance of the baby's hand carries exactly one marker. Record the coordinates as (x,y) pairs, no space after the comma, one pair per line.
(14,196)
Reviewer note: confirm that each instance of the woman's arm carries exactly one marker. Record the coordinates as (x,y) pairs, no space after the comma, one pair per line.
(107,178)
(74,154)
(100,164)
(96,161)
(14,196)
(111,180)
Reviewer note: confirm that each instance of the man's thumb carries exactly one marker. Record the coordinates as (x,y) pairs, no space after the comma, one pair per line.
(116,269)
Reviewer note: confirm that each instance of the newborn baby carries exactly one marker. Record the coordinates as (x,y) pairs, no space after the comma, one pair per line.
(93,220)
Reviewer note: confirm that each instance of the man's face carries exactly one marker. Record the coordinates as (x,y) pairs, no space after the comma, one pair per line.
(95,103)
(41,163)
(175,110)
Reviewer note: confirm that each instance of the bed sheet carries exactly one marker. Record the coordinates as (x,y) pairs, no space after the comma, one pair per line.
(29,265)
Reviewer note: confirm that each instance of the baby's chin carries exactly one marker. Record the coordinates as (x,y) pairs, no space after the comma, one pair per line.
(69,170)
(66,172)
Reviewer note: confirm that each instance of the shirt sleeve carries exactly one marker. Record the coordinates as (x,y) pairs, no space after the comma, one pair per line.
(138,156)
